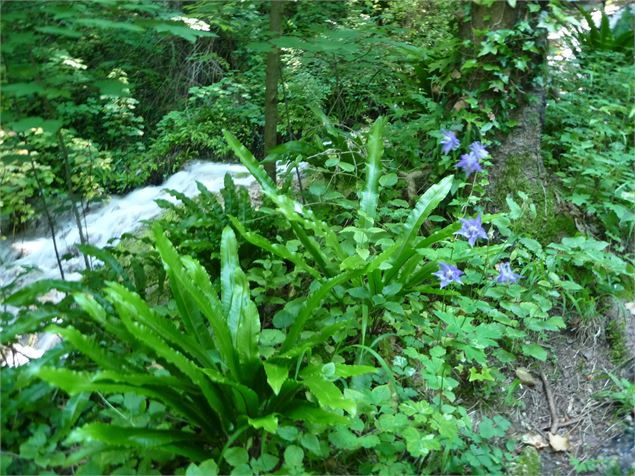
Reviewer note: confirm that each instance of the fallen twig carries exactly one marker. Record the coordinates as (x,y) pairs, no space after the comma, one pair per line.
(552,406)
(562,424)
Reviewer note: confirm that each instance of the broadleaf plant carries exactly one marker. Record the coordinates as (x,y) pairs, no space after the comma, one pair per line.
(204,362)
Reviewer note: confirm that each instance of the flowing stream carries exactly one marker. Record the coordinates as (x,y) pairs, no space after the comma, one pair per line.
(110,220)
(106,222)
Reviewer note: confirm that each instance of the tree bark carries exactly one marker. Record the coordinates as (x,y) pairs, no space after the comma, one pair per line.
(271,85)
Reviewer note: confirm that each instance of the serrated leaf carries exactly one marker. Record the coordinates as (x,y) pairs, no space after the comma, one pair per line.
(206,468)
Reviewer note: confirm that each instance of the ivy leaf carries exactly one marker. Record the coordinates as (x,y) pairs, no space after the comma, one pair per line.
(487,48)
(276,376)
(206,468)
(268,423)
(343,439)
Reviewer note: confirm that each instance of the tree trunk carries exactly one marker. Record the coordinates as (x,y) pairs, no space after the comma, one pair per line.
(271,84)
(71,195)
(517,163)
(47,213)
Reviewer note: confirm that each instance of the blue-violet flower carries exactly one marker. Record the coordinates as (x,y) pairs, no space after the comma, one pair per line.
(449,141)
(478,150)
(506,275)
(448,273)
(469,163)
(472,230)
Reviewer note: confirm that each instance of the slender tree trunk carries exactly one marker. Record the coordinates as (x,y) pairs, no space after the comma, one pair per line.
(271,84)
(49,218)
(69,188)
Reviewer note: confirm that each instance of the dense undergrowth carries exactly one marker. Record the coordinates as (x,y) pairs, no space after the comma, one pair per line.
(352,322)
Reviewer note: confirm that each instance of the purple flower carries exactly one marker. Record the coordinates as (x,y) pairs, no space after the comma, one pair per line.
(479,151)
(449,141)
(448,273)
(506,274)
(469,163)
(472,229)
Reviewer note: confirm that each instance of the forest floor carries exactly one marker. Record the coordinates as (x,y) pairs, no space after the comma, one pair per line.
(591,428)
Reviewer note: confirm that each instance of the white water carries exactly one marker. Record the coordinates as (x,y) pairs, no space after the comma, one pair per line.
(118,215)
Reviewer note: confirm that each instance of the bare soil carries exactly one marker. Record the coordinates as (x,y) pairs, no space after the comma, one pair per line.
(576,374)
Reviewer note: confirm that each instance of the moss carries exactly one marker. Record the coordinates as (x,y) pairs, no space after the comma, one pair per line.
(527,463)
(548,223)
(615,331)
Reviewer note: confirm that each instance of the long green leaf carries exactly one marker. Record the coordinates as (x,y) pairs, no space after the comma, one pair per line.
(108,259)
(424,207)
(274,248)
(242,315)
(179,442)
(195,293)
(174,267)
(89,347)
(312,303)
(249,397)
(370,195)
(29,322)
(28,294)
(229,265)
(172,355)
(137,307)
(302,217)
(158,388)
(90,305)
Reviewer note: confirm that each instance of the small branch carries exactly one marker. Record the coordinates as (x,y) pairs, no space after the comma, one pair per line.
(47,213)
(552,406)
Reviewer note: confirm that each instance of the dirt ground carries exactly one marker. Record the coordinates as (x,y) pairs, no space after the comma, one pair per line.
(591,427)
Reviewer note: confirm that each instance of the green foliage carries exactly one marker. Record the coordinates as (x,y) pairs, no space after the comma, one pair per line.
(195,225)
(389,282)
(197,130)
(35,421)
(618,39)
(594,156)
(622,394)
(32,166)
(321,341)
(206,366)
(64,67)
